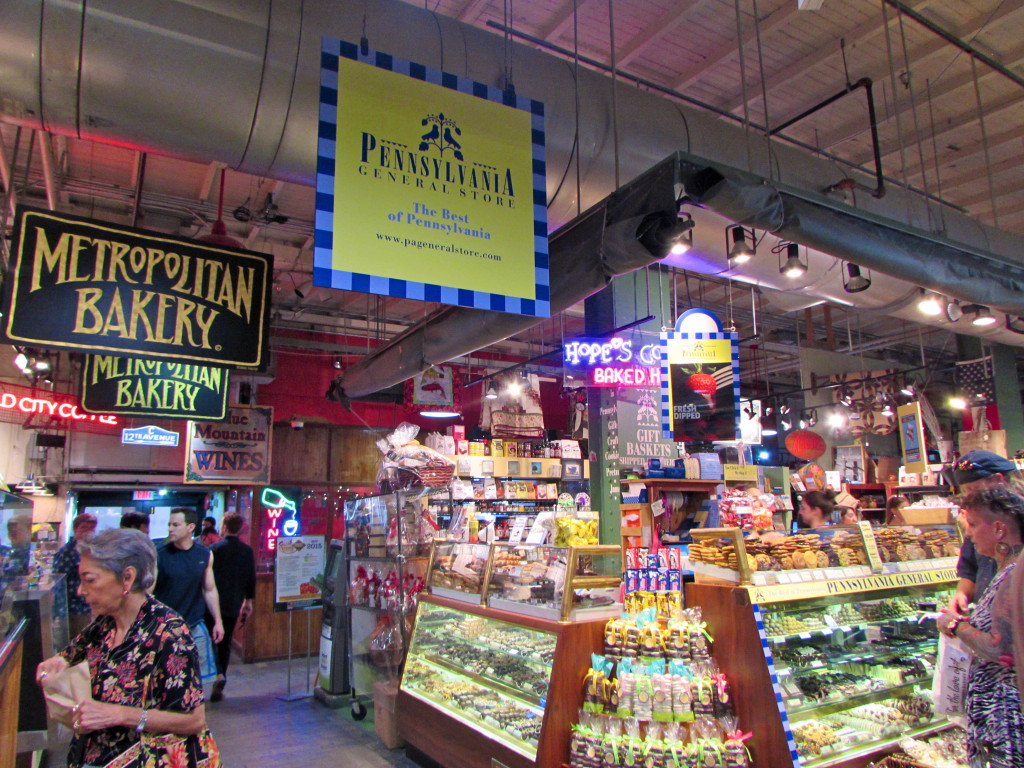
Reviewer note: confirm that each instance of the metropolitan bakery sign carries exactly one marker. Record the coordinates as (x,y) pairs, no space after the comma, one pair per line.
(430,186)
(90,286)
(158,388)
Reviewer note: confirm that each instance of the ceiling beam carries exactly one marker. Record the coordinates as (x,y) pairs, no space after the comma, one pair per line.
(560,20)
(50,180)
(770,23)
(857,36)
(948,87)
(659,27)
(212,169)
(919,57)
(472,10)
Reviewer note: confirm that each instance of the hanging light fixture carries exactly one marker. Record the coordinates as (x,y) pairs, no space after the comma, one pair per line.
(980,315)
(953,311)
(439,414)
(793,267)
(855,282)
(664,233)
(740,252)
(21,361)
(957,402)
(930,303)
(492,393)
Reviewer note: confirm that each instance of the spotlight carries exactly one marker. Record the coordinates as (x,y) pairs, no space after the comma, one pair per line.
(953,311)
(836,420)
(811,414)
(856,282)
(769,432)
(786,424)
(979,314)
(909,390)
(930,303)
(957,402)
(793,266)
(665,233)
(492,393)
(784,408)
(303,289)
(21,361)
(740,252)
(887,409)
(515,388)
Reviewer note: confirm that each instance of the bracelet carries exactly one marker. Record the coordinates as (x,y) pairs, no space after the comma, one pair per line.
(142,721)
(953,626)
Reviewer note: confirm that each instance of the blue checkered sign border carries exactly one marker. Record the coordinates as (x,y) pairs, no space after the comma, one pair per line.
(324,273)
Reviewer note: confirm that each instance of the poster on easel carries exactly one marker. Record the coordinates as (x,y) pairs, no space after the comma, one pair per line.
(915,458)
(298,573)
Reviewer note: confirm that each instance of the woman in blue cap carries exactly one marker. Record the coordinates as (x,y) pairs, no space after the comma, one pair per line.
(975,471)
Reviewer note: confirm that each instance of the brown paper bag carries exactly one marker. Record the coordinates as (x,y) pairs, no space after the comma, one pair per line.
(65,691)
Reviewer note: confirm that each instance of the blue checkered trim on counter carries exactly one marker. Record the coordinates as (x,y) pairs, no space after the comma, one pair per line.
(324,273)
(666,385)
(776,688)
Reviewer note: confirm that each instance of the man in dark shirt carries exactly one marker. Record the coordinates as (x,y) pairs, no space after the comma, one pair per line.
(234,572)
(66,561)
(184,583)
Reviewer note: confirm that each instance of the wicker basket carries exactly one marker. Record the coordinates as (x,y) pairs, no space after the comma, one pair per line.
(435,475)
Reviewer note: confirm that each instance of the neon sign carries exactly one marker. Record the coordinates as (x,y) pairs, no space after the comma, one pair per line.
(614,362)
(44,407)
(276,504)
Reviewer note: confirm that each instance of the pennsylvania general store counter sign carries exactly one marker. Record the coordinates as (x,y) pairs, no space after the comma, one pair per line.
(430,186)
(90,286)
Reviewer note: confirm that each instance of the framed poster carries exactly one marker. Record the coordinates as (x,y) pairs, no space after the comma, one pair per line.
(298,572)
(851,463)
(915,459)
(236,450)
(536,468)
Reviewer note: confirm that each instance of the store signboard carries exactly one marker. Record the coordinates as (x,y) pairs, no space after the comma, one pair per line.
(91,286)
(614,361)
(236,450)
(53,408)
(281,507)
(155,388)
(149,435)
(700,380)
(430,186)
(915,459)
(299,572)
(778,593)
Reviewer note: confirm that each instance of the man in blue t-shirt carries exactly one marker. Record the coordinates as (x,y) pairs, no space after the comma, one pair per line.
(185,583)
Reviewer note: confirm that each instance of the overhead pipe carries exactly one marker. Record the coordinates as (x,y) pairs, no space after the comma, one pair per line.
(866,84)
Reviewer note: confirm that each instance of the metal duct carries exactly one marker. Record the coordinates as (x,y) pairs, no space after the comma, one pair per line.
(237,81)
(584,257)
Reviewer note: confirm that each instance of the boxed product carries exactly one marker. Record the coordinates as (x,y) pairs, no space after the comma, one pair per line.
(385,721)
(569,449)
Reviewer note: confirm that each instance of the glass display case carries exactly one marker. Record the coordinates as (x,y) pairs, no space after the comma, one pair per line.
(490,674)
(555,582)
(483,687)
(848,663)
(457,570)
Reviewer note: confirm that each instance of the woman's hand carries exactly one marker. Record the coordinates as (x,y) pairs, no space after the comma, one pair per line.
(947,617)
(92,715)
(50,668)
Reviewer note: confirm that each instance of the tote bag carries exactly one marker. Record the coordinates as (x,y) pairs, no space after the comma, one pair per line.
(949,686)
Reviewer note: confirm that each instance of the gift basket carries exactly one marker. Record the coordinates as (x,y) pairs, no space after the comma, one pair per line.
(408,465)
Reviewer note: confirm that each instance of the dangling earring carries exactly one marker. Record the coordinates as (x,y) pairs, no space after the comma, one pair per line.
(1003,548)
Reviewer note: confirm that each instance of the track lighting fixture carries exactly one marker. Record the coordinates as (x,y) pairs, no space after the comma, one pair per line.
(953,311)
(303,289)
(855,282)
(980,315)
(492,393)
(740,252)
(930,303)
(812,417)
(957,402)
(664,233)
(1015,324)
(793,267)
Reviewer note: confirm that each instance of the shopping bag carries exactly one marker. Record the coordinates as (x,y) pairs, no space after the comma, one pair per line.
(949,686)
(65,691)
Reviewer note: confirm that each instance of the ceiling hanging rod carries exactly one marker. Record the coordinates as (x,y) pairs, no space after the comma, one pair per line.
(952,39)
(658,88)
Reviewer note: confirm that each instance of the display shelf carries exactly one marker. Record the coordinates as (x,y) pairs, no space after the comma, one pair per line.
(874,747)
(767,696)
(444,709)
(830,707)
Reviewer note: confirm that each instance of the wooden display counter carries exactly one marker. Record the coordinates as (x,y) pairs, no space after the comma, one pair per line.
(456,743)
(265,635)
(10,691)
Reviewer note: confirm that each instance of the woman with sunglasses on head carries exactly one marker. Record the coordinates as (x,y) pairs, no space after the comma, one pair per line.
(995,725)
(146,707)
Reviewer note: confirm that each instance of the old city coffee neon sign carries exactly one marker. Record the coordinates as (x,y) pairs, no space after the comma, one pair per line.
(613,362)
(52,408)
(276,504)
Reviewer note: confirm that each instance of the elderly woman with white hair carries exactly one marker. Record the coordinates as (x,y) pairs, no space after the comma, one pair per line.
(147,699)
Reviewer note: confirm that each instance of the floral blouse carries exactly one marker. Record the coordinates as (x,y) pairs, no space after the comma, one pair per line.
(156,666)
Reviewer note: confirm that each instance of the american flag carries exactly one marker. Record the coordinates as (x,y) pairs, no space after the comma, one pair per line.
(974,378)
